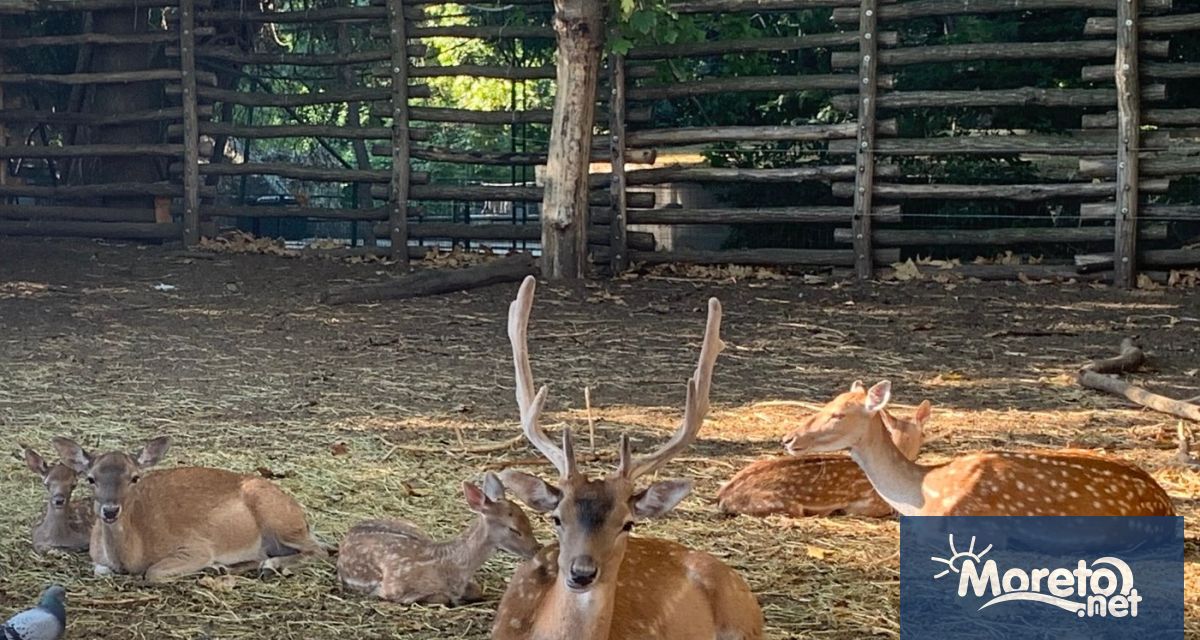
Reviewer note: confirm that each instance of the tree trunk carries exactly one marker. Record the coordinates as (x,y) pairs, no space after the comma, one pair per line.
(579,25)
(124,98)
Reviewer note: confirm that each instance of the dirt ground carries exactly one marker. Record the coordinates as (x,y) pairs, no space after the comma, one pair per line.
(362,411)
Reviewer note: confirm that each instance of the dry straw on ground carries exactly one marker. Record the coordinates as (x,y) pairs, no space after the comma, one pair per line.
(381,410)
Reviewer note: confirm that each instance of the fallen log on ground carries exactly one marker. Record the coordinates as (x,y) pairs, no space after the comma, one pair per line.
(437,281)
(1093,376)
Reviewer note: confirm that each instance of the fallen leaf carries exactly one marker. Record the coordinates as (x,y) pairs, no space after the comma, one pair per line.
(219,583)
(340,449)
(816,552)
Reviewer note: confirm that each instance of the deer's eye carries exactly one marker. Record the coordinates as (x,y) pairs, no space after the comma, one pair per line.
(91,480)
(514,530)
(134,479)
(556,520)
(628,526)
(837,416)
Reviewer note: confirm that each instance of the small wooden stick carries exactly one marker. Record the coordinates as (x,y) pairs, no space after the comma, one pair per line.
(1184,454)
(587,401)
(1138,395)
(1130,359)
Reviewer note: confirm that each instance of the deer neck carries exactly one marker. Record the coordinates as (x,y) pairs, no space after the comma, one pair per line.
(895,478)
(56,521)
(471,548)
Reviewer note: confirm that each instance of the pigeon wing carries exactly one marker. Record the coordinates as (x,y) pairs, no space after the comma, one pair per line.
(34,624)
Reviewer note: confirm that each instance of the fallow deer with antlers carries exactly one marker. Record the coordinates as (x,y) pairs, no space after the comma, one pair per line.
(995,483)
(599,582)
(819,484)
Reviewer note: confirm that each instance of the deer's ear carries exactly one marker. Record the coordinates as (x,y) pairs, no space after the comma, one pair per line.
(857,385)
(475,498)
(878,396)
(535,492)
(153,451)
(924,410)
(492,487)
(36,463)
(72,454)
(659,498)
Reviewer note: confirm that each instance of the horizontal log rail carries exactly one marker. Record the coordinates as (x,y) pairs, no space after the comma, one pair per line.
(112,77)
(24,7)
(764,257)
(169,114)
(769,133)
(1023,97)
(759,215)
(301,172)
(502,158)
(1107,26)
(754,45)
(1149,164)
(298,131)
(663,175)
(77,229)
(322,213)
(332,96)
(1104,211)
(1017,192)
(1155,70)
(92,151)
(1047,144)
(503,193)
(1002,237)
(1160,117)
(1079,50)
(525,232)
(931,8)
(154,37)
(482,32)
(87,191)
(749,84)
(58,212)
(236,56)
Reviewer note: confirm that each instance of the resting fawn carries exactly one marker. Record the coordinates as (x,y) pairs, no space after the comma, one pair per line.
(394,560)
(819,484)
(67,524)
(1026,483)
(173,522)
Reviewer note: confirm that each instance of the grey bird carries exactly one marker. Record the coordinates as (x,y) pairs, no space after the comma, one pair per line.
(46,621)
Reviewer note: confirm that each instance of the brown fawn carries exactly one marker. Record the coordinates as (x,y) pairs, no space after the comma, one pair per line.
(598,582)
(394,560)
(172,522)
(996,483)
(67,524)
(819,484)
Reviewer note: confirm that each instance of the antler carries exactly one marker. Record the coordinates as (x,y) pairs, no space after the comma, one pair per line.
(695,406)
(529,404)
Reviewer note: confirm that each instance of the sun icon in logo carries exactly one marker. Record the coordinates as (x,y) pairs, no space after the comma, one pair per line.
(957,557)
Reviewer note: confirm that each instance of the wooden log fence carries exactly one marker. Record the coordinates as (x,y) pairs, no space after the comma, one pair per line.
(1111,170)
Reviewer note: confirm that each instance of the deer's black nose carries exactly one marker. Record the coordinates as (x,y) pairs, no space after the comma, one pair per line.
(58,501)
(583,572)
(110,512)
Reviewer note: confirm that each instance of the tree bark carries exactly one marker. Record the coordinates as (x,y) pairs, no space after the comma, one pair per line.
(579,27)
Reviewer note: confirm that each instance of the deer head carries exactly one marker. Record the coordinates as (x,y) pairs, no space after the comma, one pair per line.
(842,422)
(111,474)
(593,516)
(508,527)
(58,479)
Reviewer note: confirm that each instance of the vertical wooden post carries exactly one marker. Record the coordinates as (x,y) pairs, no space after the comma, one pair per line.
(864,179)
(191,124)
(1128,121)
(618,249)
(401,170)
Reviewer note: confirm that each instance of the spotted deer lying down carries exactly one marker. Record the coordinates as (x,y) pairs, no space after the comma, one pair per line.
(599,582)
(67,524)
(990,483)
(819,484)
(168,523)
(394,560)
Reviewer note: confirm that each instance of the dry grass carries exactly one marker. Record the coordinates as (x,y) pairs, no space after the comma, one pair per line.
(367,411)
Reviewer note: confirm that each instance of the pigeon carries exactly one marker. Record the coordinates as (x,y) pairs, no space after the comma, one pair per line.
(47,621)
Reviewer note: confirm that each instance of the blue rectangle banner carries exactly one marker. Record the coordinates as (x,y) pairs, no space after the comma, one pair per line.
(1041,577)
